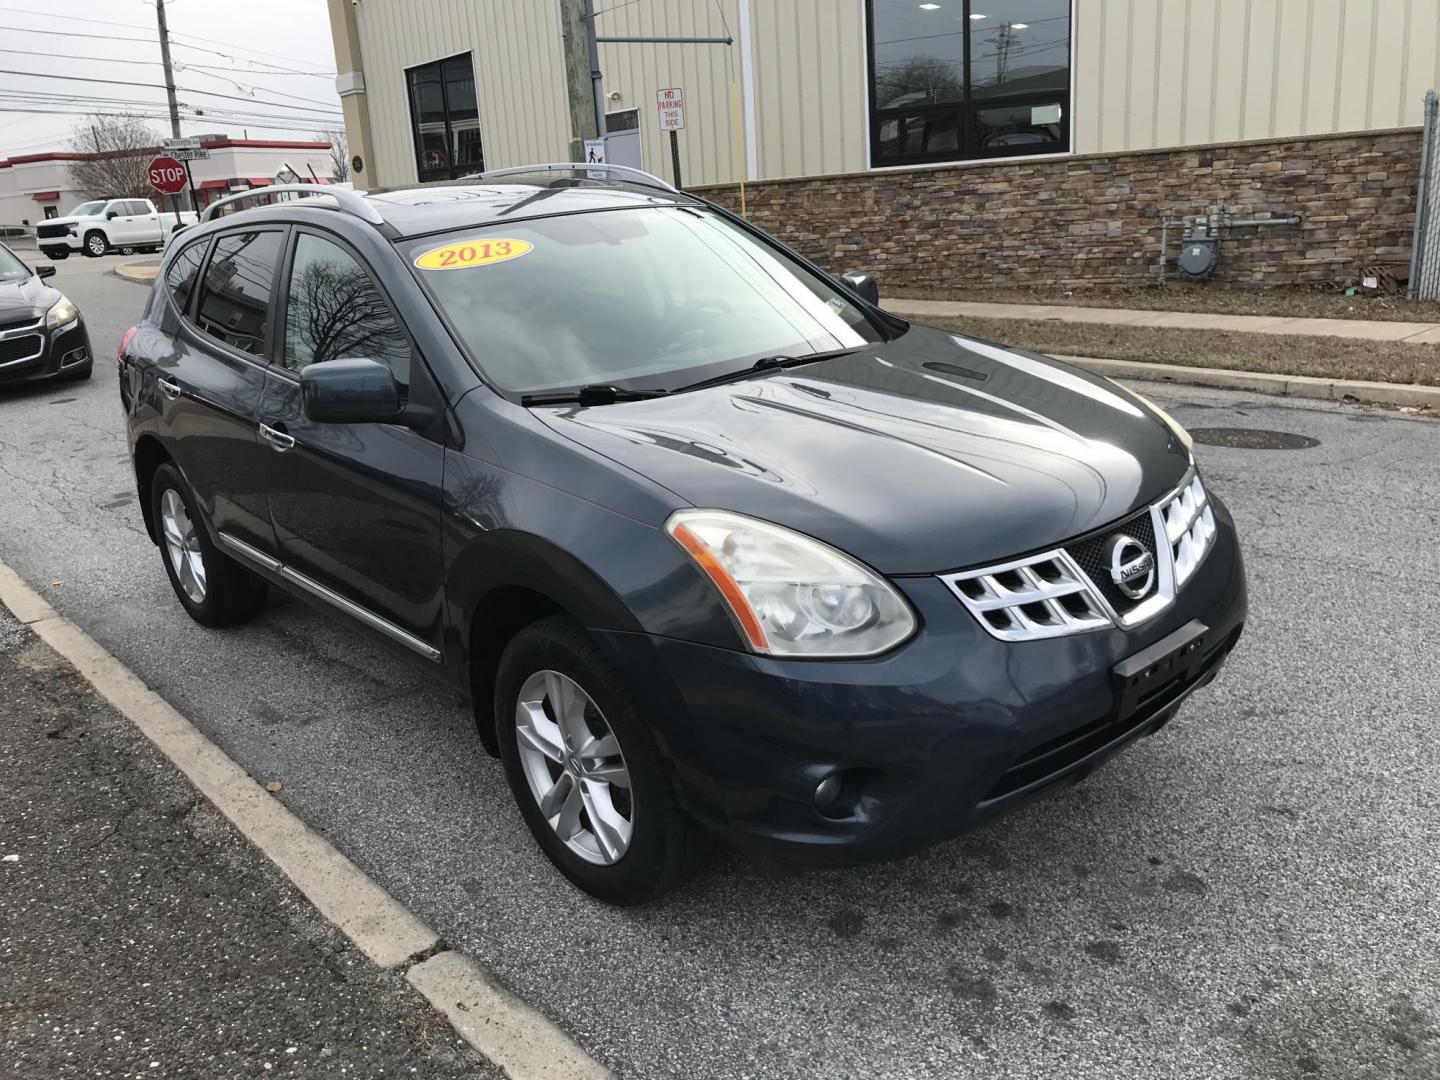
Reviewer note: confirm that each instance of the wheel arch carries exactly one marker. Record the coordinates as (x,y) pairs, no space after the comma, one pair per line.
(149,455)
(503,582)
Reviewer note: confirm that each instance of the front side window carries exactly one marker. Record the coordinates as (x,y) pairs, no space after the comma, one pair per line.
(957,79)
(445,116)
(136,208)
(235,293)
(335,311)
(652,298)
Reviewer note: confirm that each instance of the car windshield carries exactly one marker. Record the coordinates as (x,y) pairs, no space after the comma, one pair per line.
(642,298)
(11,268)
(88,209)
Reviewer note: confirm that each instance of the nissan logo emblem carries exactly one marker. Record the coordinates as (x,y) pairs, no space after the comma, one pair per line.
(1132,567)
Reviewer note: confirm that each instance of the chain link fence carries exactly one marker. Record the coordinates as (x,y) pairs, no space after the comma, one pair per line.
(1425,252)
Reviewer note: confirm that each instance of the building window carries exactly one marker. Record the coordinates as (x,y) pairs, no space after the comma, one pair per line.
(446,119)
(952,80)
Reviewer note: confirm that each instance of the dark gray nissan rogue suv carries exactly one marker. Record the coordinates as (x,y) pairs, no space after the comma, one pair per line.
(713,544)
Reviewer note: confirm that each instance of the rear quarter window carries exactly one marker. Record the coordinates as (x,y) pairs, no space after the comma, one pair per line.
(182,273)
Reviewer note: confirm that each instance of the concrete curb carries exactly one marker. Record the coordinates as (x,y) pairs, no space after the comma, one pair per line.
(141,275)
(1407,395)
(497,1024)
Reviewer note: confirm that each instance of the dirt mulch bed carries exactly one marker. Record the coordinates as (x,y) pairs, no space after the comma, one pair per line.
(1322,357)
(1326,303)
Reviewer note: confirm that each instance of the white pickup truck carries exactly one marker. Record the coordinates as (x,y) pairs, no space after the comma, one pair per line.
(103,225)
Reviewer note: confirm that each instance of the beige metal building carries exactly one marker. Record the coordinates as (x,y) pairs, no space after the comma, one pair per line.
(813,87)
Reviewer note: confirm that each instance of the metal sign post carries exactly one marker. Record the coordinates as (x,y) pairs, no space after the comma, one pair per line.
(671,104)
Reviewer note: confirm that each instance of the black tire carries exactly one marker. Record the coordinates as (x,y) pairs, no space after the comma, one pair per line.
(232,594)
(665,845)
(96,239)
(56,254)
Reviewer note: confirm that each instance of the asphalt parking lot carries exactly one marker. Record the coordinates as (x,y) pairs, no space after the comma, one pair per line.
(1253,893)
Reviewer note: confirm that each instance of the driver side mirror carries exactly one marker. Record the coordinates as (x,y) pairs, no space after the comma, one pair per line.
(43,272)
(354,391)
(863,285)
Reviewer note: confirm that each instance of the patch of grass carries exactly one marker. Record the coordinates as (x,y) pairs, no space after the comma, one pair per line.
(1321,357)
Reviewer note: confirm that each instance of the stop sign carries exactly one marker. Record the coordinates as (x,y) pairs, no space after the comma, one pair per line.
(167,175)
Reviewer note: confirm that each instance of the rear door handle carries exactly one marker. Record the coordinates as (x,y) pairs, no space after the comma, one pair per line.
(169,387)
(279,441)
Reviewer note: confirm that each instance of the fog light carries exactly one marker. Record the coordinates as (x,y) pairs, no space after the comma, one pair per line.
(73,357)
(829,792)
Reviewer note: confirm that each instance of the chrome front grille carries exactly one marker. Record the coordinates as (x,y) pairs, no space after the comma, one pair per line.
(1042,596)
(1062,592)
(1189,527)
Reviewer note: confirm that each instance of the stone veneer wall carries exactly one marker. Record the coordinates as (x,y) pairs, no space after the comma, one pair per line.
(1095,219)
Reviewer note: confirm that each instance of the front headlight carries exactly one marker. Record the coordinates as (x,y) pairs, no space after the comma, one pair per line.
(792,595)
(61,313)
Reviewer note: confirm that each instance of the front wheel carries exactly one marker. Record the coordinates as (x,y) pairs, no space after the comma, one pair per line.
(213,589)
(585,769)
(96,244)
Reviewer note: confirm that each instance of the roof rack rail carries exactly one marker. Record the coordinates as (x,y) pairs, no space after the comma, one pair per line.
(624,172)
(351,202)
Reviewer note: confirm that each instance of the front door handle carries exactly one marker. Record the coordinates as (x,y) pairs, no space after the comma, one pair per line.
(279,441)
(169,387)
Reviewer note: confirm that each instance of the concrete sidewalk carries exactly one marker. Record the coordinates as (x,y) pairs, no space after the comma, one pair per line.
(142,936)
(1414,333)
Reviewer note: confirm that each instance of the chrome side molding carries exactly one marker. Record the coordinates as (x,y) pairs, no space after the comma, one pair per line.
(252,555)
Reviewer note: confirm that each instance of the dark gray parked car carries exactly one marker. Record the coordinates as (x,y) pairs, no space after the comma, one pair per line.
(714,544)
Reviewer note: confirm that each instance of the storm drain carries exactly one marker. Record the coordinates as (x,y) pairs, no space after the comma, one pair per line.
(1252,438)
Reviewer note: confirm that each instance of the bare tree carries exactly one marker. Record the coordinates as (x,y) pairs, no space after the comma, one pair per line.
(122,147)
(339,152)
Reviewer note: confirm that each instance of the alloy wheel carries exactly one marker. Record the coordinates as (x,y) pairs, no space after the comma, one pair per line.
(96,245)
(574,767)
(182,546)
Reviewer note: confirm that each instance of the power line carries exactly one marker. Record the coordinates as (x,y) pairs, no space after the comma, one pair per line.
(153,116)
(137,26)
(320,110)
(153,41)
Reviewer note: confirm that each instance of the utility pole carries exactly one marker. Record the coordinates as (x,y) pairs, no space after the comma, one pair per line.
(169,74)
(170,96)
(576,35)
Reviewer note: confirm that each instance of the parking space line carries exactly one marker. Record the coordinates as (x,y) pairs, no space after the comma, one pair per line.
(498,1025)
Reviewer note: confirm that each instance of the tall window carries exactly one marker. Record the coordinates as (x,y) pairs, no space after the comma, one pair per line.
(958,79)
(446,119)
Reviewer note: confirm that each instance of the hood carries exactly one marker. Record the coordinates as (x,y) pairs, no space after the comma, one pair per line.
(931,452)
(29,298)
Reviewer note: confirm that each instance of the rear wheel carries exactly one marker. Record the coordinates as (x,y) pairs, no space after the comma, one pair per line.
(214,590)
(585,770)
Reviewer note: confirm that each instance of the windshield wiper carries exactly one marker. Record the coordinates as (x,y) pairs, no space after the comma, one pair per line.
(590,395)
(768,363)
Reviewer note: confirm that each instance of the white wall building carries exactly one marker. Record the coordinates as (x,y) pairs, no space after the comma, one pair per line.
(34,187)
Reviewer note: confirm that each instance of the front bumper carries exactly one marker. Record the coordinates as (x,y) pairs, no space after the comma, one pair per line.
(45,354)
(949,730)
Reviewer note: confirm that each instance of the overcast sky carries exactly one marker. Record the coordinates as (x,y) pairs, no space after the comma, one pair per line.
(236,48)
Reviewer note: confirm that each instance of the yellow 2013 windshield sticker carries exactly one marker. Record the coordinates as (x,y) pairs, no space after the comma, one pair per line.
(468,254)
